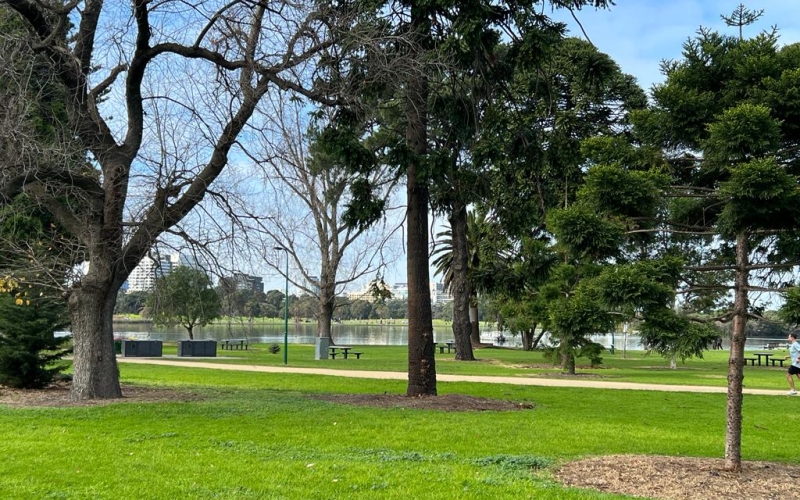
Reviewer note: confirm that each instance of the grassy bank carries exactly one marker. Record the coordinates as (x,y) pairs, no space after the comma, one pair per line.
(636,366)
(267,436)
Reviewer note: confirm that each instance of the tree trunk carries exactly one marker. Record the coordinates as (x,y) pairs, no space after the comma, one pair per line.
(475,333)
(673,362)
(527,340)
(190,329)
(421,360)
(733,433)
(568,363)
(325,312)
(95,372)
(530,343)
(459,286)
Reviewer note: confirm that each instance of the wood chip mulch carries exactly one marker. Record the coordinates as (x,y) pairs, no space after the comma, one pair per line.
(682,478)
(444,402)
(57,395)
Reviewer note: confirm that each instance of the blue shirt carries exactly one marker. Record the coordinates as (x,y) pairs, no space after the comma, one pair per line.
(794,353)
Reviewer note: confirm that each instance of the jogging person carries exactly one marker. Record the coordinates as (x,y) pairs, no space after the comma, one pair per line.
(794,359)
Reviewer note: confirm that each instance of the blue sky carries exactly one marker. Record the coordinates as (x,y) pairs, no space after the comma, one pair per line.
(639,34)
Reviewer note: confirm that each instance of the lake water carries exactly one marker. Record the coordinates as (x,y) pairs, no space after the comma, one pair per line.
(380,334)
(305,333)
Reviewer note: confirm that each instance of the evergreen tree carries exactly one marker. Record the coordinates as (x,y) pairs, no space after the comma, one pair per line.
(714,182)
(29,350)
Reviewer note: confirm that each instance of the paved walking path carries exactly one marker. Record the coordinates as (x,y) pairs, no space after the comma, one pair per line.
(440,377)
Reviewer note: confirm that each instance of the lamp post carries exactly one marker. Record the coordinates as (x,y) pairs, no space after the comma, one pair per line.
(285,310)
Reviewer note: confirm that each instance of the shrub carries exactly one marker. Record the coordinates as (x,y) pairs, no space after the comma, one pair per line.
(28,345)
(274,348)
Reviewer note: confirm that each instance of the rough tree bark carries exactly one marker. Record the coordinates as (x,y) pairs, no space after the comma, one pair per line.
(474,322)
(733,431)
(95,373)
(459,286)
(326,300)
(421,360)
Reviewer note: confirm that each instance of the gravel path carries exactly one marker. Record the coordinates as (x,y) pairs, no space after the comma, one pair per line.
(543,382)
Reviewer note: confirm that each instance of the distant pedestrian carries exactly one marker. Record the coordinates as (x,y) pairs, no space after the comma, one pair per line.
(794,359)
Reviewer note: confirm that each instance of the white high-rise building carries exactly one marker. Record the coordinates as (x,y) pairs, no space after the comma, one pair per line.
(152,267)
(438,294)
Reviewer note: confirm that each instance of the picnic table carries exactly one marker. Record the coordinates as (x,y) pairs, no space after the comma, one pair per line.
(765,355)
(449,345)
(345,351)
(231,344)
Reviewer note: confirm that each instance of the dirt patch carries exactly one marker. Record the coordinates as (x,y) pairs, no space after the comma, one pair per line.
(57,395)
(445,402)
(682,478)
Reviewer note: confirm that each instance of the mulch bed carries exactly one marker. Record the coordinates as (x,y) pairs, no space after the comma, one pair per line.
(57,395)
(445,402)
(682,478)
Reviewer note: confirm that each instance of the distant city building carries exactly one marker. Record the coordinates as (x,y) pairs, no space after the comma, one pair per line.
(152,266)
(241,281)
(438,294)
(399,292)
(361,295)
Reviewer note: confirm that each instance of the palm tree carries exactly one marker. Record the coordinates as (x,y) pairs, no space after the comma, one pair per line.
(479,232)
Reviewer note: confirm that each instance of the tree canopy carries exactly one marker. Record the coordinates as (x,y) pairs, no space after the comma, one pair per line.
(184,297)
(710,185)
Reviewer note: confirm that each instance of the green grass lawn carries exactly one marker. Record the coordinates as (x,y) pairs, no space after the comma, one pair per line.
(265,436)
(636,366)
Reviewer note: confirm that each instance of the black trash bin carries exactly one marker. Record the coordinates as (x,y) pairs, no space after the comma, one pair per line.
(141,348)
(203,348)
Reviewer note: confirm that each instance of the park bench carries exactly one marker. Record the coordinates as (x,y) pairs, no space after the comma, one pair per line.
(231,344)
(752,361)
(777,360)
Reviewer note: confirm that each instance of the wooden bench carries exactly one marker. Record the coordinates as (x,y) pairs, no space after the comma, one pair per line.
(777,360)
(752,361)
(231,344)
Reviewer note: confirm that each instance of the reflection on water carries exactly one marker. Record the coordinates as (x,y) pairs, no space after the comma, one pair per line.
(304,333)
(299,333)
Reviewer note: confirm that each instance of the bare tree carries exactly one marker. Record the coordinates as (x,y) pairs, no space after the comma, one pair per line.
(306,195)
(119,65)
